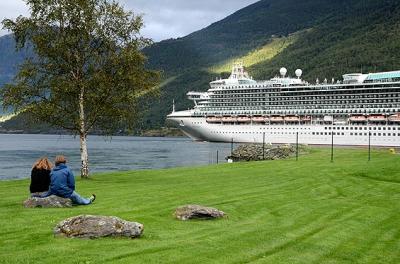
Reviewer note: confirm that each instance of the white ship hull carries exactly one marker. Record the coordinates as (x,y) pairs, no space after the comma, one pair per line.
(314,134)
(361,110)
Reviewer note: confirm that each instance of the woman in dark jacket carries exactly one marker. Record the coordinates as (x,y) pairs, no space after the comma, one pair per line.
(40,176)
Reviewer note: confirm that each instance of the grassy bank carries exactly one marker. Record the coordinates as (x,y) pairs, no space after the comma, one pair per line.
(310,211)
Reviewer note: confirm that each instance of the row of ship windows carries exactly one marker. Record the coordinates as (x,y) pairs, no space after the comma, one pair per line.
(394,128)
(306,101)
(324,96)
(356,134)
(362,128)
(274,110)
(315,133)
(247,89)
(330,128)
(312,102)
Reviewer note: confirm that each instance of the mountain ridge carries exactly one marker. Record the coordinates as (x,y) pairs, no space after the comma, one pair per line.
(332,38)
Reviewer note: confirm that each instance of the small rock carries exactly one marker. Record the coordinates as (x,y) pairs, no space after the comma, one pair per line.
(48,202)
(197,212)
(91,226)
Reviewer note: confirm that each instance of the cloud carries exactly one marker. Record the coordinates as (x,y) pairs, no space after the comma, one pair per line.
(12,9)
(177,18)
(163,18)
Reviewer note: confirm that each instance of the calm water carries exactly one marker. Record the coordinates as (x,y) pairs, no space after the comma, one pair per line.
(18,152)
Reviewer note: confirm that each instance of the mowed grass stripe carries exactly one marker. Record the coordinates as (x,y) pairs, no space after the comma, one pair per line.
(310,211)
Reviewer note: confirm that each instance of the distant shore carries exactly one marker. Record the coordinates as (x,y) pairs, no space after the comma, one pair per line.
(159,132)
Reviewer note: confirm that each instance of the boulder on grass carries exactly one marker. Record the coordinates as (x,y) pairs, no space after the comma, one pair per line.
(48,202)
(91,226)
(197,212)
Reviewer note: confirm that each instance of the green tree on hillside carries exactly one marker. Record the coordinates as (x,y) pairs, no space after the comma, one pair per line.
(88,71)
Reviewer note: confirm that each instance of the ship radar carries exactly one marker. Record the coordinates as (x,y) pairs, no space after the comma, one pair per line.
(298,73)
(283,72)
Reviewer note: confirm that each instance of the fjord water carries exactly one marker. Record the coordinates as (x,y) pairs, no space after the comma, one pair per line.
(18,153)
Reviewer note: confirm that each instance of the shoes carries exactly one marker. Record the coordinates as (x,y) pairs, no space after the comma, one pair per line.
(92,198)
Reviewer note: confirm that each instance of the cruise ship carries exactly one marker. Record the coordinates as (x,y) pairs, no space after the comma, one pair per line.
(360,110)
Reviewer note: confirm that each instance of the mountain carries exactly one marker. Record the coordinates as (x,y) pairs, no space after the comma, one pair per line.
(324,38)
(10,58)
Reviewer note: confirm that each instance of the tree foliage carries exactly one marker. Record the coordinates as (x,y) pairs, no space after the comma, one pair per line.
(88,70)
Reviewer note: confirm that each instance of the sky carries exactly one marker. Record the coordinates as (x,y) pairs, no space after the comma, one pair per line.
(163,18)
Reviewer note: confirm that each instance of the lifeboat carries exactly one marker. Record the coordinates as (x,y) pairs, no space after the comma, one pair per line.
(358,118)
(395,118)
(213,119)
(243,119)
(328,119)
(377,118)
(305,119)
(228,119)
(276,119)
(292,119)
(258,119)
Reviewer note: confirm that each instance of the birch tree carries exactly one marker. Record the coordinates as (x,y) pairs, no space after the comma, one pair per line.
(88,70)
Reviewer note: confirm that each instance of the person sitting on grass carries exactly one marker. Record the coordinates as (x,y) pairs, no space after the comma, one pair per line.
(40,177)
(62,183)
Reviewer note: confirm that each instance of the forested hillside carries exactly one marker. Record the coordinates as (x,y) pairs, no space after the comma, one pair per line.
(324,38)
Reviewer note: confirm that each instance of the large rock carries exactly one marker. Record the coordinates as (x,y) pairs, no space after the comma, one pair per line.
(91,226)
(197,212)
(47,202)
(256,152)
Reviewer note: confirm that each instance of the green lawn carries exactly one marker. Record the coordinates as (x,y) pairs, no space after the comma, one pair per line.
(310,211)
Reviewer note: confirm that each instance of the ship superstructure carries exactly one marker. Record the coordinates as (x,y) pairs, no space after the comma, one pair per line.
(361,109)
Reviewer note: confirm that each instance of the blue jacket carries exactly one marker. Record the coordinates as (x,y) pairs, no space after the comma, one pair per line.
(62,181)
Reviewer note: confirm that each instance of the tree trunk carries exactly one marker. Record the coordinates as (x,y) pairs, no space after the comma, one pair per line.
(82,137)
(84,158)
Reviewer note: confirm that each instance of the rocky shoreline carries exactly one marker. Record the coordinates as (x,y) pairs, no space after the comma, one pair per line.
(256,152)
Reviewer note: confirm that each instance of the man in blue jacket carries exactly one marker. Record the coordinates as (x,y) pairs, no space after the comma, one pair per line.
(62,183)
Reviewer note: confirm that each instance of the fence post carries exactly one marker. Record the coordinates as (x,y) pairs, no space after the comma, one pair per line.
(332,147)
(231,147)
(264,146)
(217,157)
(297,146)
(369,145)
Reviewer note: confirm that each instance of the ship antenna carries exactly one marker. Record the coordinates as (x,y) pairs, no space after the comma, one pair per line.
(173,105)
